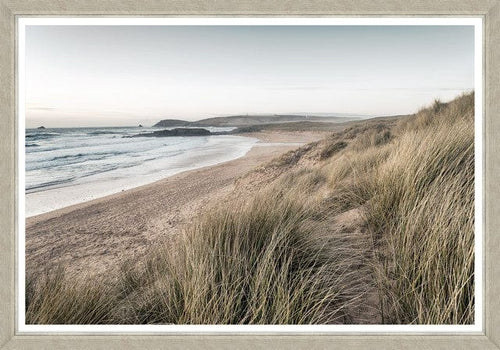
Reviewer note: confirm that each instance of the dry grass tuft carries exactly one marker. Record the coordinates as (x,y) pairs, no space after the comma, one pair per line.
(52,299)
(422,207)
(259,263)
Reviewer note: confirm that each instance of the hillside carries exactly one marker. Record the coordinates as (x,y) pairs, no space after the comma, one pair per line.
(404,188)
(373,224)
(300,126)
(246,120)
(167,123)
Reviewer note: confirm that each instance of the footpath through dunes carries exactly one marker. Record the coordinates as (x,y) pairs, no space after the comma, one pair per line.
(95,236)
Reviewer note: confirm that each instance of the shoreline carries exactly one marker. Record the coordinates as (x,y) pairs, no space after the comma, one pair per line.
(95,235)
(122,176)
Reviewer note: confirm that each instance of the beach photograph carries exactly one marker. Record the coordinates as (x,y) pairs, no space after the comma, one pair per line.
(210,174)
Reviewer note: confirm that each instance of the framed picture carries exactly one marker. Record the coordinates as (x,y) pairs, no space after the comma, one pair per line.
(251,175)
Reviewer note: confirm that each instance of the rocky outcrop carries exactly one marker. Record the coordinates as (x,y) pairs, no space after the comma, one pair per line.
(176,132)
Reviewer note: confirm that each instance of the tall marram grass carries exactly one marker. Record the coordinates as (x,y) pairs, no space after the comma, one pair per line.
(287,255)
(417,192)
(422,206)
(52,299)
(270,260)
(262,262)
(415,184)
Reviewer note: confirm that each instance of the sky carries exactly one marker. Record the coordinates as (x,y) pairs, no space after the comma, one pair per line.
(130,75)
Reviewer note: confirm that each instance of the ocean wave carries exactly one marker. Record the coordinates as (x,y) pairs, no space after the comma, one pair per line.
(104,133)
(41,136)
(38,186)
(108,168)
(90,156)
(66,178)
(66,160)
(68,156)
(32,145)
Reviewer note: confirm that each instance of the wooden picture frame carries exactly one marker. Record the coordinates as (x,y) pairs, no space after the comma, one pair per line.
(10,10)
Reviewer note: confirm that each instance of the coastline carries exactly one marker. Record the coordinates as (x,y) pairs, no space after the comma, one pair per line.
(93,236)
(71,184)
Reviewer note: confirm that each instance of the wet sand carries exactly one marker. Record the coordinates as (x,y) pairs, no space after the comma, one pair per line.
(95,236)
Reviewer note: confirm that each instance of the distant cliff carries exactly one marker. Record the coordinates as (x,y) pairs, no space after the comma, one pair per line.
(170,123)
(247,120)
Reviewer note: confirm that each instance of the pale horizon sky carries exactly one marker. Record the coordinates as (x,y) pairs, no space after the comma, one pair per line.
(126,75)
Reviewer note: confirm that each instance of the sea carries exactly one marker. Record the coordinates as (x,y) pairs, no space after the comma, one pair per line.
(65,166)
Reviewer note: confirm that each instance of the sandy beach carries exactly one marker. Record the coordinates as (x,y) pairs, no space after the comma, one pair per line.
(93,237)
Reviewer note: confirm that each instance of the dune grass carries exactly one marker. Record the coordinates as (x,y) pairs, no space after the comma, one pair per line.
(417,191)
(422,206)
(52,299)
(261,262)
(285,255)
(269,260)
